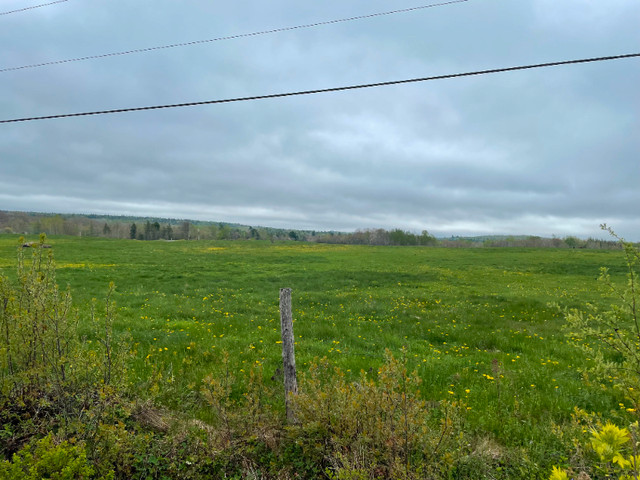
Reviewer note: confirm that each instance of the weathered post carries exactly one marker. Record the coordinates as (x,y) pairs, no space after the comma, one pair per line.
(288,353)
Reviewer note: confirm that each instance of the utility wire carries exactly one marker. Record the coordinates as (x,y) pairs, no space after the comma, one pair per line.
(31,8)
(230,37)
(327,90)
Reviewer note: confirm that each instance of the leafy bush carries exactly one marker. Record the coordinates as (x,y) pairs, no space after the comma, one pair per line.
(47,460)
(36,321)
(612,340)
(616,455)
(49,378)
(241,411)
(612,337)
(373,429)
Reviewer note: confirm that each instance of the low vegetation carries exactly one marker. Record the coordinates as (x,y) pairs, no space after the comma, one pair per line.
(413,362)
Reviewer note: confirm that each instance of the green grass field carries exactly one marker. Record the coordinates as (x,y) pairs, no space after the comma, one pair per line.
(475,323)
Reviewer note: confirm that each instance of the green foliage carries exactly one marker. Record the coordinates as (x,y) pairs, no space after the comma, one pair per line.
(558,474)
(379,237)
(41,348)
(616,454)
(377,426)
(47,460)
(372,428)
(49,378)
(38,326)
(611,336)
(242,411)
(611,339)
(608,441)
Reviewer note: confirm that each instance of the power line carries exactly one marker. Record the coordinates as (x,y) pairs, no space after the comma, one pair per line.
(31,8)
(327,90)
(230,37)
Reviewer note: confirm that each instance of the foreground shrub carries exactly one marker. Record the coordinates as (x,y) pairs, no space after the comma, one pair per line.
(613,453)
(48,460)
(49,378)
(36,323)
(242,410)
(611,338)
(375,428)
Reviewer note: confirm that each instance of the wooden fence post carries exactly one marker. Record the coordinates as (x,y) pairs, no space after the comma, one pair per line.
(288,353)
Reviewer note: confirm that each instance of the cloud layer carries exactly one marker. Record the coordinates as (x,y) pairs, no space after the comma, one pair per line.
(548,151)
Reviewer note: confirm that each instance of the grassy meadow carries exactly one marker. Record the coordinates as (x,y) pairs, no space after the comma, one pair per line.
(475,324)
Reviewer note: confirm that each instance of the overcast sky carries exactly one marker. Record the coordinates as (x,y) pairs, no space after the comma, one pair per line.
(552,151)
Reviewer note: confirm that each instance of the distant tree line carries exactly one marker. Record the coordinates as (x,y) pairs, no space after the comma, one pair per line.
(379,237)
(140,228)
(401,237)
(541,242)
(185,230)
(56,224)
(172,229)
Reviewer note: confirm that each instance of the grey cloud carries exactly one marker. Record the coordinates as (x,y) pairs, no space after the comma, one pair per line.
(552,151)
